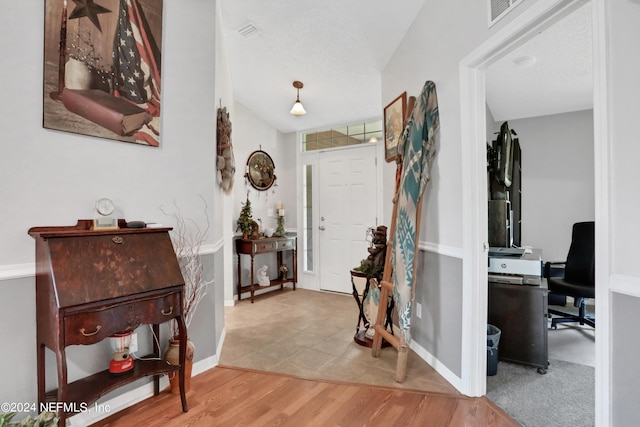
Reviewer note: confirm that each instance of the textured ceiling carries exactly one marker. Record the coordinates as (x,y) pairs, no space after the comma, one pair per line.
(559,81)
(337,48)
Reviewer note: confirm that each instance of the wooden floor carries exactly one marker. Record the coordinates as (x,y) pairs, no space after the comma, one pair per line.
(228,396)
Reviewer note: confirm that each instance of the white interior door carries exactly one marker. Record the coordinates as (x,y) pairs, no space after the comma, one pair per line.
(347,208)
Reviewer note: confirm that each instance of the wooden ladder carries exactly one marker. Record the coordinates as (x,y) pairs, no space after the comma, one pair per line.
(386,285)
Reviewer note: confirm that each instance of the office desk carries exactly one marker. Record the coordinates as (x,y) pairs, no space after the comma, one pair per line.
(520,312)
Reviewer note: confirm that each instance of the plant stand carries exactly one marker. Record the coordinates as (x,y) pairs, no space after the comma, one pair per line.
(361,283)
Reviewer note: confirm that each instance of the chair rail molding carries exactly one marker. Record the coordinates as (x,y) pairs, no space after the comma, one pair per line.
(450,251)
(17,271)
(627,285)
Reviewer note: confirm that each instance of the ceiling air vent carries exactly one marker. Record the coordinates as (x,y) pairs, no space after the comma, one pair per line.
(499,8)
(248,30)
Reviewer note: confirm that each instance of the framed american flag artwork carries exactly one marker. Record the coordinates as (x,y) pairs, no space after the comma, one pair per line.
(102,68)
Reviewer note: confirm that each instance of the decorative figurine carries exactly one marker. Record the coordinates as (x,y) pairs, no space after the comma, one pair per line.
(283,270)
(263,278)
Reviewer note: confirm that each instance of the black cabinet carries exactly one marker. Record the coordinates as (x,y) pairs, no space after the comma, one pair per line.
(520,312)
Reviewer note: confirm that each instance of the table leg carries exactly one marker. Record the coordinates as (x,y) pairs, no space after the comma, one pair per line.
(156,353)
(182,330)
(41,374)
(294,261)
(61,361)
(251,284)
(239,280)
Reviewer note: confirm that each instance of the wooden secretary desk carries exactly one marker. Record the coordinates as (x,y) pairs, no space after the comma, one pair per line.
(91,284)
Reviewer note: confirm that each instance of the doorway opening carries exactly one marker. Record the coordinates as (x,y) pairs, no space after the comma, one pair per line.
(473,118)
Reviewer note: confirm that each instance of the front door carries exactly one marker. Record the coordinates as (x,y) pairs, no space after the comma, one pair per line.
(347,208)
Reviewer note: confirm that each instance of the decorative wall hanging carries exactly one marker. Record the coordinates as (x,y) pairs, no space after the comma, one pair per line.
(393,125)
(416,149)
(260,170)
(226,163)
(102,68)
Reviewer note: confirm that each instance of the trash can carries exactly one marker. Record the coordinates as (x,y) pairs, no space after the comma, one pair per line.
(493,337)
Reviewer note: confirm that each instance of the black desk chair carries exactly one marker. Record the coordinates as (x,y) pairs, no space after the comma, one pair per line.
(577,278)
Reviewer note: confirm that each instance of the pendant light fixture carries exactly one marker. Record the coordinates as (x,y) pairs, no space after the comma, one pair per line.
(298,109)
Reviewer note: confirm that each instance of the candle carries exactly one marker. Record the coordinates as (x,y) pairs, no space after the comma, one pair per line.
(282,212)
(278,205)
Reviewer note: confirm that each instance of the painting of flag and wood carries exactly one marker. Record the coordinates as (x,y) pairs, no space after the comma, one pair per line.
(102,68)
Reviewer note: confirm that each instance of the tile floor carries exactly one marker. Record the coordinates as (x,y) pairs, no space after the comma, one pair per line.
(309,334)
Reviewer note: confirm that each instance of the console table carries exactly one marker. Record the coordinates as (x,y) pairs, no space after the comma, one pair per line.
(276,245)
(91,284)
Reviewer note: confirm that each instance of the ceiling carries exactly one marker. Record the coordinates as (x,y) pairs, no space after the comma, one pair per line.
(339,49)
(550,74)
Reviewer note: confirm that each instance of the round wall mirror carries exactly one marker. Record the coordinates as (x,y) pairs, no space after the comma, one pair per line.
(260,170)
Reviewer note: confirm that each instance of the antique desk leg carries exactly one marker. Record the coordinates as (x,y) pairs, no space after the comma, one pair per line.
(41,375)
(251,284)
(156,353)
(239,280)
(183,352)
(61,361)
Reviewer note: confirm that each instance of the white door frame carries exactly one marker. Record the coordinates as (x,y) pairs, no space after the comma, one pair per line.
(536,18)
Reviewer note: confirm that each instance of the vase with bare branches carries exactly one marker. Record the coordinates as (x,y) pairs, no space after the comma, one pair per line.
(187,238)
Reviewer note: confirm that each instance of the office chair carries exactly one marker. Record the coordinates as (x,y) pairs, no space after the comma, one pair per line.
(577,278)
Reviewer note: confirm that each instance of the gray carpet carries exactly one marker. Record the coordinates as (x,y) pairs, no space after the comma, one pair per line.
(563,397)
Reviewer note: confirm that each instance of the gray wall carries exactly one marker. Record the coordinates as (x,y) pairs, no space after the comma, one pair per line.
(557,179)
(438,290)
(54,178)
(625,397)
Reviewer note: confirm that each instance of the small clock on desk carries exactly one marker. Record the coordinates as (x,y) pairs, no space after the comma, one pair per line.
(104,218)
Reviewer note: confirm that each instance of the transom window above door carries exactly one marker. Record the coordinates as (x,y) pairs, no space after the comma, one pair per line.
(357,133)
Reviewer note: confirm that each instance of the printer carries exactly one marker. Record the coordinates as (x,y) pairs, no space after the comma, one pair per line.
(518,266)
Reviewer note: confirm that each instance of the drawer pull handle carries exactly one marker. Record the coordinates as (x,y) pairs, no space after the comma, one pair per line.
(168,312)
(90,333)
(118,240)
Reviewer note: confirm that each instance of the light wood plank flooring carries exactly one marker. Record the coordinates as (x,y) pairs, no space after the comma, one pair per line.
(317,375)
(226,396)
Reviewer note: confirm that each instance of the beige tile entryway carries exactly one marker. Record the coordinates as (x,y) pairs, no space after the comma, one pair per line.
(310,334)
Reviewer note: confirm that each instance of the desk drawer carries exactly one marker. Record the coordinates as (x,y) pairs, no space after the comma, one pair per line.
(261,247)
(97,324)
(284,245)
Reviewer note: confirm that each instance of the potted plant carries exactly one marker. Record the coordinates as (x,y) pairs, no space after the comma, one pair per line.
(187,239)
(44,419)
(245,222)
(373,265)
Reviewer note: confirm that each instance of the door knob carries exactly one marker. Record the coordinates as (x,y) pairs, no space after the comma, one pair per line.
(321,228)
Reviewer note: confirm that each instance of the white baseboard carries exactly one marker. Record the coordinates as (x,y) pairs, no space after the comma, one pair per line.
(440,368)
(99,411)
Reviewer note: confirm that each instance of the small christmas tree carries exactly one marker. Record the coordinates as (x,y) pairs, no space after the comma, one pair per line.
(245,221)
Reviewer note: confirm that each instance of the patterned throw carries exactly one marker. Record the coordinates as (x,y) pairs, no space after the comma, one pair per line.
(416,149)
